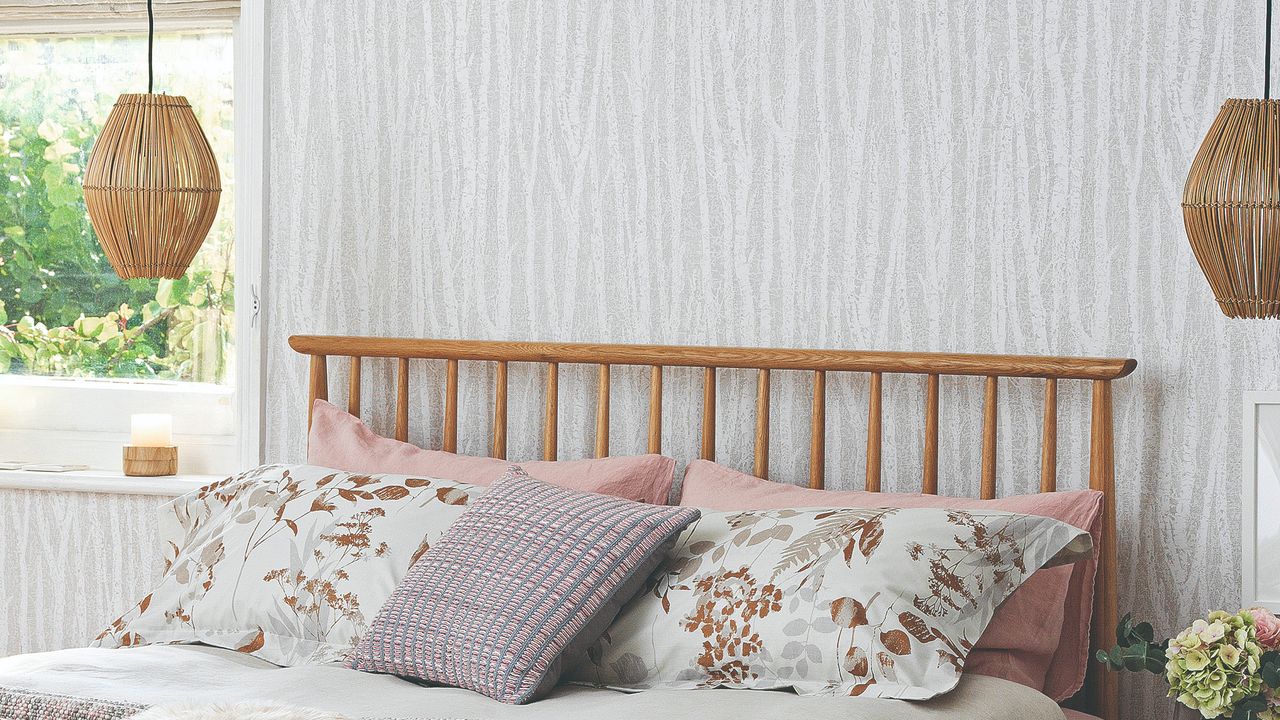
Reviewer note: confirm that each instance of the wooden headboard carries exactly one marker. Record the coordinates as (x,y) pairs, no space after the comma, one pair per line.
(1100,690)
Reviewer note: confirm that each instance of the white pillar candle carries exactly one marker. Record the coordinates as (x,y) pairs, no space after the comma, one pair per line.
(151,430)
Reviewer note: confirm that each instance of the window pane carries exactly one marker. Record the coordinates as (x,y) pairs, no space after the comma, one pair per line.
(63,311)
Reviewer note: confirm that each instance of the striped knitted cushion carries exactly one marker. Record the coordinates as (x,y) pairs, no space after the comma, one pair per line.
(518,587)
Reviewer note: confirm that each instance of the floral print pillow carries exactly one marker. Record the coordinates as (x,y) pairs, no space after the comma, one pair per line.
(288,562)
(877,602)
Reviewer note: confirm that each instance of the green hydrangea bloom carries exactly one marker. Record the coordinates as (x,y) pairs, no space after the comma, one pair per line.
(1213,664)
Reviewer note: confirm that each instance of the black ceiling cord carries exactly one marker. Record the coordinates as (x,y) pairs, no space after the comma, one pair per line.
(151,40)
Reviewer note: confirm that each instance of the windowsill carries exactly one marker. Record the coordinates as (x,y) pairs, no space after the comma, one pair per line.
(103,481)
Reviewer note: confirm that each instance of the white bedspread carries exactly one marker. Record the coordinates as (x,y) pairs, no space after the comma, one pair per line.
(184,673)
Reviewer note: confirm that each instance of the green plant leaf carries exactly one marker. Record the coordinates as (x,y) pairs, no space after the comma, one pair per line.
(1135,657)
(1123,630)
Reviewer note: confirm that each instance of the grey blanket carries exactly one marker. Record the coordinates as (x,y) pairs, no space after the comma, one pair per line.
(99,684)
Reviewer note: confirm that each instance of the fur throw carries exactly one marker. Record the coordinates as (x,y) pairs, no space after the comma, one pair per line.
(236,711)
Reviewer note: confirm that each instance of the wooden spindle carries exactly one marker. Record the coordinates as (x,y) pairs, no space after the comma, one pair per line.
(319,384)
(930,485)
(1102,477)
(1049,438)
(818,432)
(709,413)
(353,387)
(655,410)
(989,439)
(402,401)
(551,419)
(451,406)
(602,413)
(873,433)
(500,413)
(761,466)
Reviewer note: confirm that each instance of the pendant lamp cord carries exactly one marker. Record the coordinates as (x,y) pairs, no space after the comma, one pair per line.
(1266,62)
(151,40)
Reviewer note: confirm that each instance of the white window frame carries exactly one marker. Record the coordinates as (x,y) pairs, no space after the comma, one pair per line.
(1252,512)
(85,420)
(250,117)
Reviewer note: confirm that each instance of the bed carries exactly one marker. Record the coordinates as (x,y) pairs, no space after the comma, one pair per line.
(97,683)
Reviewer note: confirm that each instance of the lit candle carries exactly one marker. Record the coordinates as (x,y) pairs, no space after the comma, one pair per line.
(151,430)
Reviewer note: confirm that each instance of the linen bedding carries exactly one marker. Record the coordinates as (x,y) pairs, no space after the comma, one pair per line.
(107,684)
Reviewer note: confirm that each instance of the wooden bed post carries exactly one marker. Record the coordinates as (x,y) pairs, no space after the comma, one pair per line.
(1103,686)
(319,384)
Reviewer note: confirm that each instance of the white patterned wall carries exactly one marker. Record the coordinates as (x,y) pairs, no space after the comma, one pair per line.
(942,175)
(70,563)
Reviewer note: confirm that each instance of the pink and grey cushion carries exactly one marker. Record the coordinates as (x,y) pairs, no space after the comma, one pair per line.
(518,588)
(341,441)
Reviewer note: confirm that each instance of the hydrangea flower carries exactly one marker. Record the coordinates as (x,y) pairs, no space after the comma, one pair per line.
(1213,664)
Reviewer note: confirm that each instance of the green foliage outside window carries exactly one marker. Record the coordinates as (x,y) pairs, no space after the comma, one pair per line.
(63,311)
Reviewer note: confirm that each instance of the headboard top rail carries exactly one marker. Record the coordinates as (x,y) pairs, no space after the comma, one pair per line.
(1066,368)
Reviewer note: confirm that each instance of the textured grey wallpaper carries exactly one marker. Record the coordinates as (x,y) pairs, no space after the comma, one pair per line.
(970,176)
(72,562)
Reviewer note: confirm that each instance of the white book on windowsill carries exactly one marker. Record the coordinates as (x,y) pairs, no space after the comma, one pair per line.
(42,467)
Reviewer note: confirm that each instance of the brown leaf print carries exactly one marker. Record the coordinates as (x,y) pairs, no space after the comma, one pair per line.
(860,688)
(319,505)
(146,603)
(253,645)
(855,662)
(835,530)
(452,496)
(425,546)
(391,492)
(896,642)
(945,657)
(886,666)
(326,480)
(417,482)
(950,591)
(293,526)
(725,603)
(870,537)
(847,612)
(918,628)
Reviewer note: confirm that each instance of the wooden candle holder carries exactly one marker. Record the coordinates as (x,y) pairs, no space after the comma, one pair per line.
(150,461)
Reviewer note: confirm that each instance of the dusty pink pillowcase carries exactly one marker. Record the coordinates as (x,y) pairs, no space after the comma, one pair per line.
(341,441)
(1039,637)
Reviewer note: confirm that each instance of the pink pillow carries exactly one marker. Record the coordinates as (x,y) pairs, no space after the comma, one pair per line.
(1040,635)
(341,441)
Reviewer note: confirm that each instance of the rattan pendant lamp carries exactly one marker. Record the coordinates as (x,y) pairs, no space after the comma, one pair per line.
(1231,203)
(152,184)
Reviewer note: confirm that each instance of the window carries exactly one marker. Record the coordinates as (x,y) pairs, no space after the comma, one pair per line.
(63,311)
(81,350)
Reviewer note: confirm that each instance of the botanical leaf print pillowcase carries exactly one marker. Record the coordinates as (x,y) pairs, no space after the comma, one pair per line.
(289,562)
(878,602)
